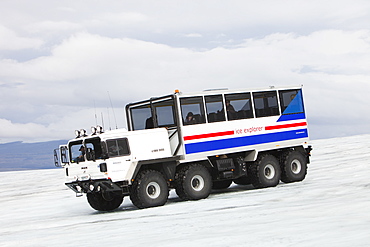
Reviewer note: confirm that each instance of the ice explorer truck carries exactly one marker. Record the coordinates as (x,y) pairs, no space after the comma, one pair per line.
(193,143)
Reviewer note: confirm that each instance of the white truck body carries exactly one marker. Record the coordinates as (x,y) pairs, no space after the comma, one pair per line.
(122,167)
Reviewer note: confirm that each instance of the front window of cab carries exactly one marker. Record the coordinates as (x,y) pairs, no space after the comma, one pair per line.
(89,149)
(77,152)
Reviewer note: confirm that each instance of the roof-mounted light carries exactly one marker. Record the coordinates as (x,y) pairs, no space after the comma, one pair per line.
(82,132)
(96,130)
(99,129)
(77,133)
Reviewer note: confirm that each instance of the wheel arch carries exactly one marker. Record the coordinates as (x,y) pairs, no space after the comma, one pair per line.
(166,166)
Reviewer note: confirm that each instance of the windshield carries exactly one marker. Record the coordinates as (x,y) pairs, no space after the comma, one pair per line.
(89,149)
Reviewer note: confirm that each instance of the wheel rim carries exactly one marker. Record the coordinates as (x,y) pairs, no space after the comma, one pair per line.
(269,171)
(153,190)
(107,196)
(296,166)
(197,183)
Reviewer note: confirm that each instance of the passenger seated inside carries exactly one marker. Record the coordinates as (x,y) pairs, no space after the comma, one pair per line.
(149,124)
(81,157)
(231,113)
(190,119)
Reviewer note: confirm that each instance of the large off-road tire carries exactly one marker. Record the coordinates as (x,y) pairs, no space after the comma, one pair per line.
(149,189)
(293,167)
(104,202)
(223,184)
(265,172)
(193,182)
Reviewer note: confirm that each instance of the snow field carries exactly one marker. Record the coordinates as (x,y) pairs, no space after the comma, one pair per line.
(331,207)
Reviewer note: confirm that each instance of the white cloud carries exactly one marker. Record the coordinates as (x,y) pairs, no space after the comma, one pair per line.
(193,35)
(132,50)
(9,40)
(14,131)
(122,18)
(60,123)
(132,70)
(237,18)
(53,27)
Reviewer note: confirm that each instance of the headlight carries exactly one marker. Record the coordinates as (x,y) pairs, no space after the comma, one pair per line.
(78,188)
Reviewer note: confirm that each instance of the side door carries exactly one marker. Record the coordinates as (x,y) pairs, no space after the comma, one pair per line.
(159,112)
(118,158)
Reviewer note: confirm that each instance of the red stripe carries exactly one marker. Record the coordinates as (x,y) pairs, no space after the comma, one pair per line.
(285,126)
(194,137)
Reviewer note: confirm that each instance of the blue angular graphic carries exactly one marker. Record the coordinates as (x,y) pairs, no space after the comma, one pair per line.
(291,117)
(296,105)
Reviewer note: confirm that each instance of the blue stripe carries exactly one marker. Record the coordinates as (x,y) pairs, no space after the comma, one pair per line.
(292,117)
(244,141)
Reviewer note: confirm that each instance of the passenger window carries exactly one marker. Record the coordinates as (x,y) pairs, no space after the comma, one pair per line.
(215,108)
(164,113)
(291,101)
(238,106)
(142,117)
(118,147)
(265,104)
(192,110)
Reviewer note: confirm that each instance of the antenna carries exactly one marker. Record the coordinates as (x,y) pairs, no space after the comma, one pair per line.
(110,126)
(96,118)
(102,120)
(114,115)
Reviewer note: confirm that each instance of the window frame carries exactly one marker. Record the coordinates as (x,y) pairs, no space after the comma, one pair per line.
(71,150)
(267,110)
(171,103)
(245,96)
(219,114)
(106,147)
(150,120)
(282,101)
(200,103)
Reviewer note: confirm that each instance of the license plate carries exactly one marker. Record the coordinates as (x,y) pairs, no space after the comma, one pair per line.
(84,177)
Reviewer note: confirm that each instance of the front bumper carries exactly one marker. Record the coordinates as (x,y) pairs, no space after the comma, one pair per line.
(99,185)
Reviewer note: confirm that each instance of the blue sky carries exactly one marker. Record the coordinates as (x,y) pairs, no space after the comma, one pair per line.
(61,60)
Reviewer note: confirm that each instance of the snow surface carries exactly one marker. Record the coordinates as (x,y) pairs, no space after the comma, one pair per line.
(331,207)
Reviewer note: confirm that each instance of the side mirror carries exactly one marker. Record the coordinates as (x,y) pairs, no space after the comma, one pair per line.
(56,159)
(61,156)
(64,155)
